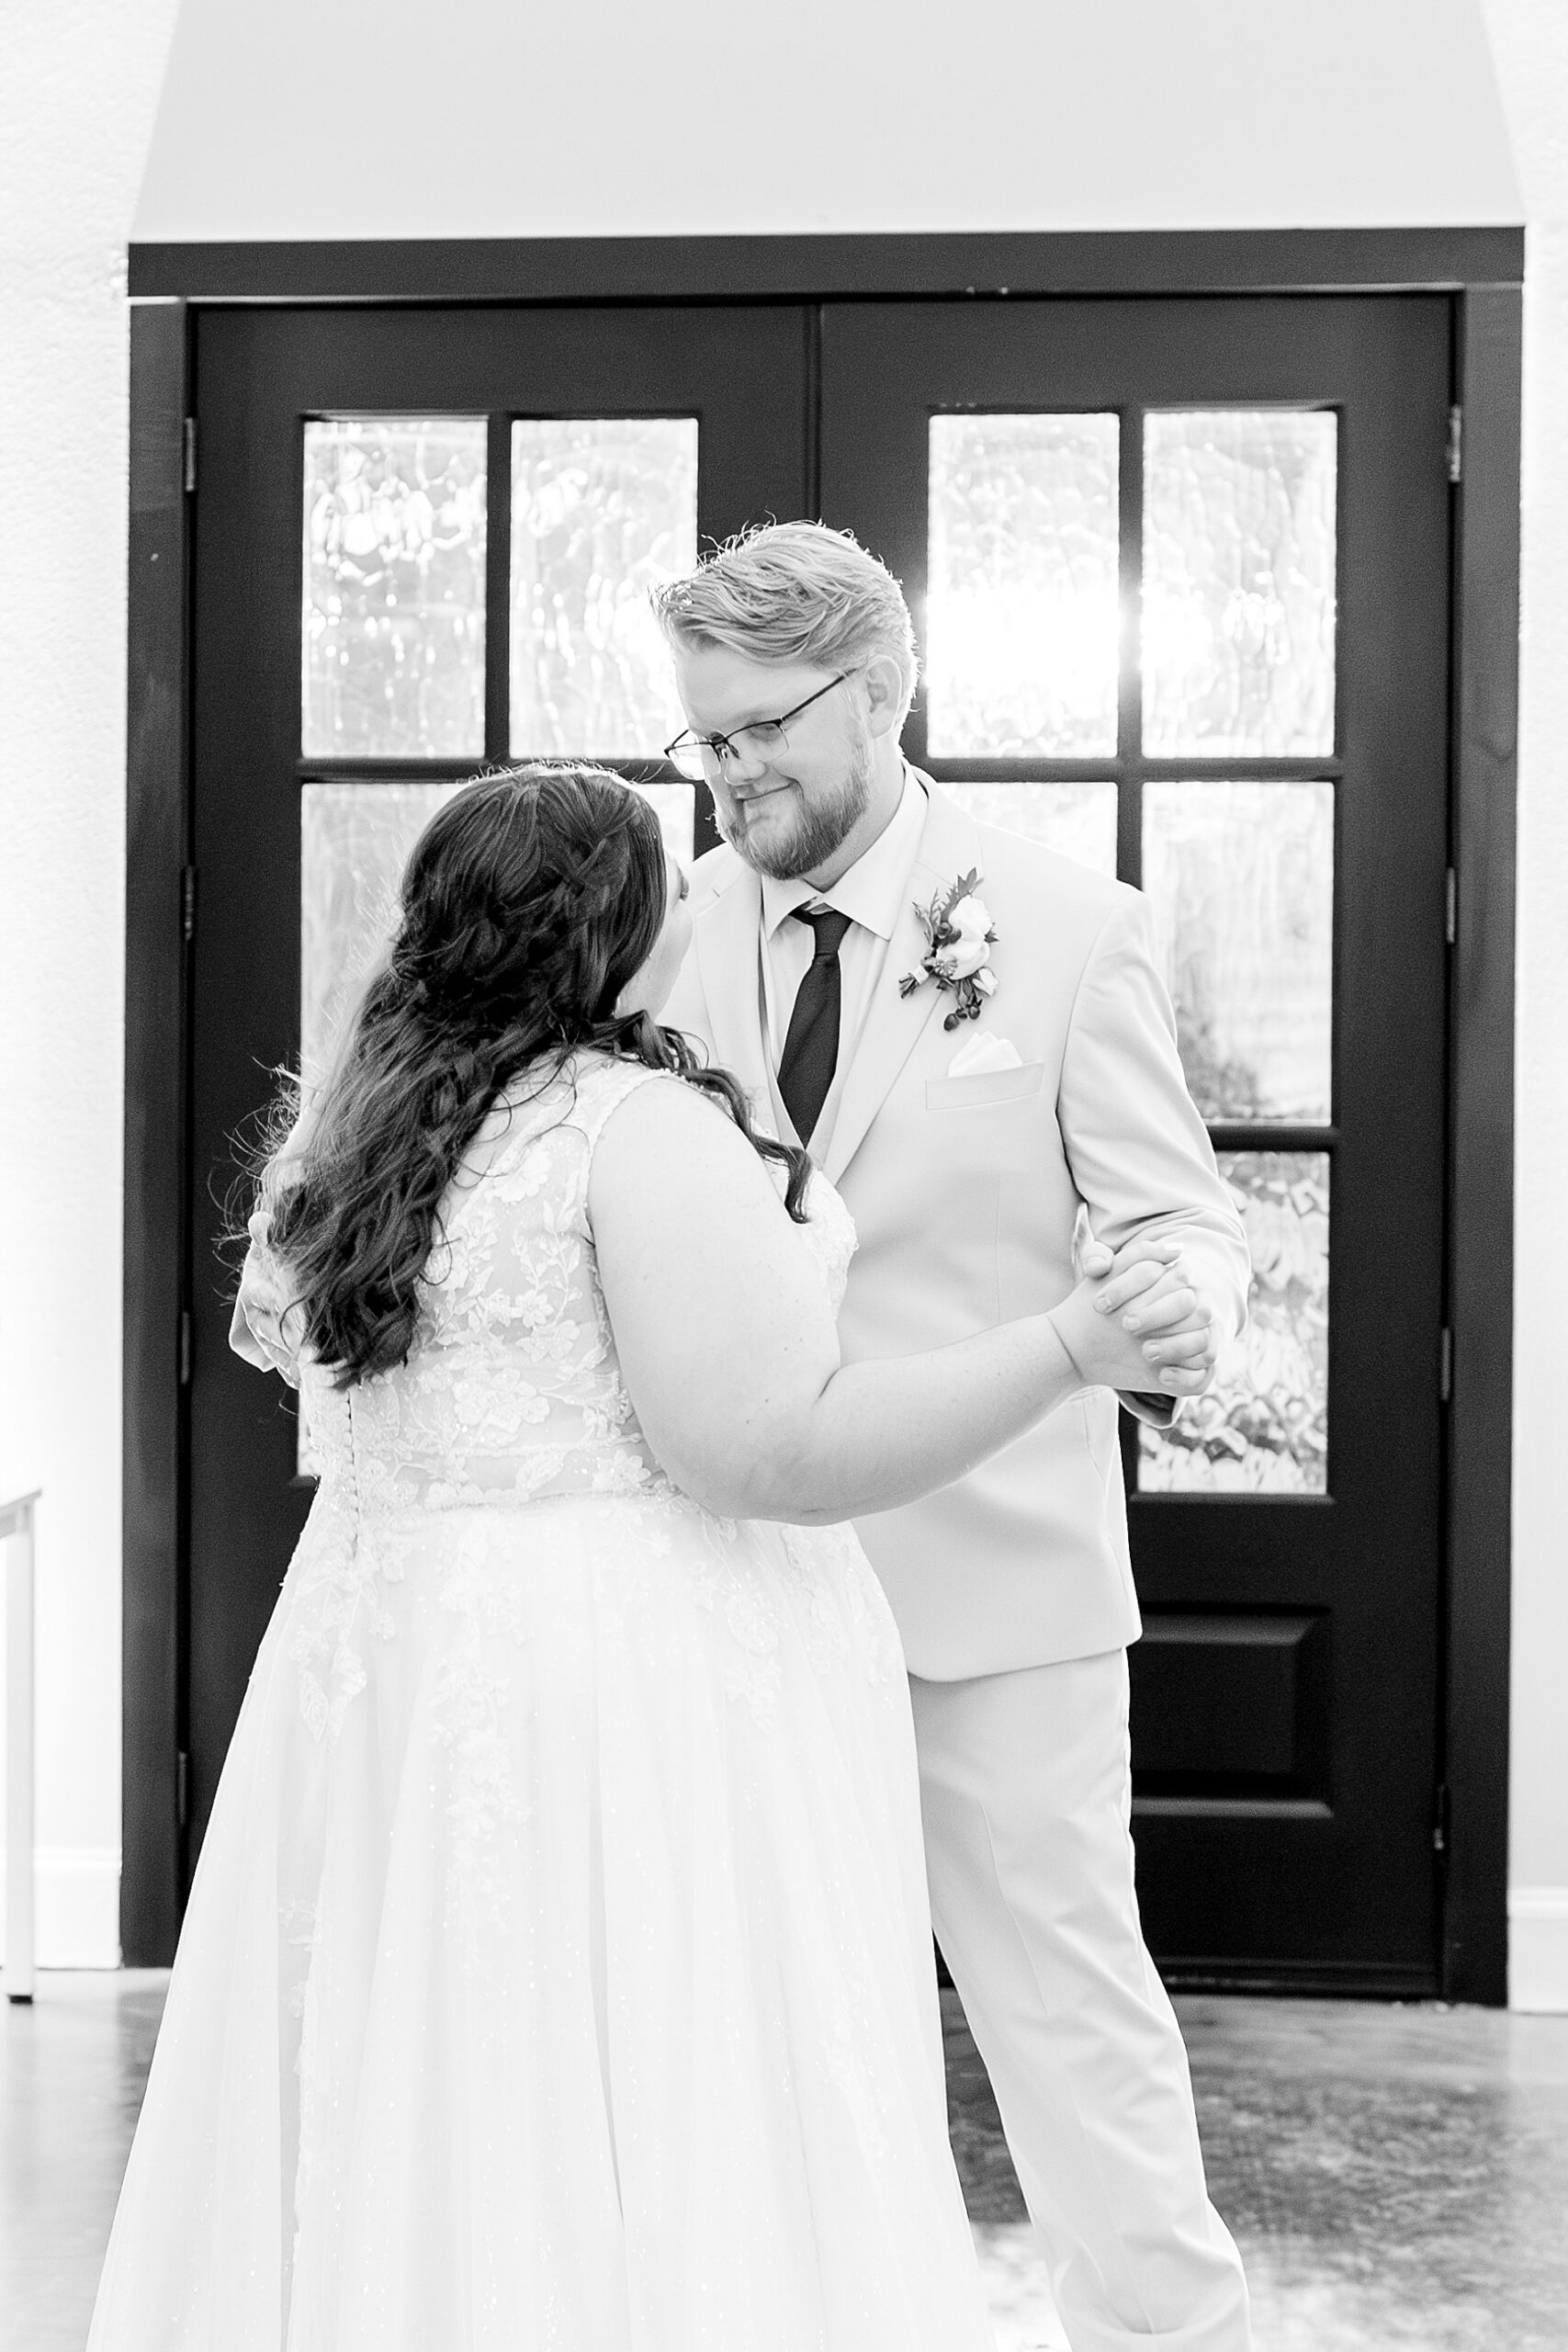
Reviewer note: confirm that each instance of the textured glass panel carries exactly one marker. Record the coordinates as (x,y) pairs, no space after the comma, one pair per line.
(394,619)
(603,510)
(1075,819)
(1263,1426)
(676,806)
(354,841)
(1240,881)
(1022,604)
(1239,580)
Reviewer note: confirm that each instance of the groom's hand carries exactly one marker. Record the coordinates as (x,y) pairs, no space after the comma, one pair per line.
(1171,1353)
(1149,1290)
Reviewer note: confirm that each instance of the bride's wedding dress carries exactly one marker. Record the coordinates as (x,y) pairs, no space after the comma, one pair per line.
(557,1972)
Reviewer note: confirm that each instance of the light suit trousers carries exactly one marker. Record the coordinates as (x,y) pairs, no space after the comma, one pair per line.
(1026,1793)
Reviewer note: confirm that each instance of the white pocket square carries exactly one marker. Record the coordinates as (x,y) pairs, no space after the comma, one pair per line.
(982,1053)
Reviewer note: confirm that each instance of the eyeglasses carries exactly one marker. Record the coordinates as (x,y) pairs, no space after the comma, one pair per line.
(761,739)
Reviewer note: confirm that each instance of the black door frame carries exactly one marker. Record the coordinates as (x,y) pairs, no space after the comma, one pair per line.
(1481,270)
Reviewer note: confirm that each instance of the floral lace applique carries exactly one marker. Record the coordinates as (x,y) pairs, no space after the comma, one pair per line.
(847,1609)
(623,1473)
(727,1586)
(849,2029)
(338,1604)
(470,1702)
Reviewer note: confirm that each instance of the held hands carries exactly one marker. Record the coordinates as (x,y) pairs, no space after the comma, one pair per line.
(1137,1321)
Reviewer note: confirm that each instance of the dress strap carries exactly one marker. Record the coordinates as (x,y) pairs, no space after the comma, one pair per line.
(602,1085)
(602,1088)
(578,1103)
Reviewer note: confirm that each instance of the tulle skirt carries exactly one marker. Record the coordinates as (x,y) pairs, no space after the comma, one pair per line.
(557,1971)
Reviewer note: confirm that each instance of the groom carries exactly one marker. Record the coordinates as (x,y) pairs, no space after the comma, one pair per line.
(968,1153)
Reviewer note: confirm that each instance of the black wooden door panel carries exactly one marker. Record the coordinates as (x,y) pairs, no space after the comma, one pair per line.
(1227,1697)
(1285,1695)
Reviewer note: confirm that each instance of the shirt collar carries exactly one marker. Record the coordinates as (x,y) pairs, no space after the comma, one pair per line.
(872,892)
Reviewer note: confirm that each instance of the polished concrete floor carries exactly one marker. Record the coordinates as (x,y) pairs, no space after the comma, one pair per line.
(1396,2177)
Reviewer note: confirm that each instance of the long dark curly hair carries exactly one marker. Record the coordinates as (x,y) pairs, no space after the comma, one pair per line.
(528,902)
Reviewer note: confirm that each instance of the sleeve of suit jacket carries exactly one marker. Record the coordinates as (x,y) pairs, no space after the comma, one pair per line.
(1139,1153)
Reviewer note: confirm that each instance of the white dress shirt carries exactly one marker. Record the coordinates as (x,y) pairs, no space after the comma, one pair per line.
(872,894)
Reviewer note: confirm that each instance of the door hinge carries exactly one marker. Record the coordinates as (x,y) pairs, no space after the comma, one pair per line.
(189,444)
(1450,907)
(187,903)
(1446,1365)
(184,1347)
(1440,1819)
(182,1787)
(1456,443)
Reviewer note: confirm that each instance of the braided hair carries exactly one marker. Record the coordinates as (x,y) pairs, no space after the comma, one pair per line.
(528,902)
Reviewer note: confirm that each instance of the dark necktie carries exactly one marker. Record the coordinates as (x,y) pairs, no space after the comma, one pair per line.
(811,1049)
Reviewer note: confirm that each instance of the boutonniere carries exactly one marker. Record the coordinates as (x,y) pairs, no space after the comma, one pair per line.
(959,938)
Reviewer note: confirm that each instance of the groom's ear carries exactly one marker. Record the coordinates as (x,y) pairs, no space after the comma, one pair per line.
(885,694)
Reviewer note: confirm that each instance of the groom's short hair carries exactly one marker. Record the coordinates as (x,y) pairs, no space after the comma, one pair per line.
(793,592)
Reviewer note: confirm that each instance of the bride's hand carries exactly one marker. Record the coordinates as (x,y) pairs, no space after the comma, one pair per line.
(1155,1296)
(1138,1322)
(255,1331)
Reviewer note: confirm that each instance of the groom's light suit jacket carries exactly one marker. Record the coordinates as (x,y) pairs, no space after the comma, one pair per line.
(966,1194)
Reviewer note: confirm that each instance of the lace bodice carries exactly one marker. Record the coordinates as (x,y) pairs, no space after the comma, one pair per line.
(512,1389)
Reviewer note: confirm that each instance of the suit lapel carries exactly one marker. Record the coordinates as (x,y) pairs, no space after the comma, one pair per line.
(950,845)
(726,934)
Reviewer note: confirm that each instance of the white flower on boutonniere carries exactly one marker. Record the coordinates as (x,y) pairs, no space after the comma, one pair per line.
(959,939)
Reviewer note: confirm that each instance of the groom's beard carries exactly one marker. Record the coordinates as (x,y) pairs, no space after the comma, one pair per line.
(807,832)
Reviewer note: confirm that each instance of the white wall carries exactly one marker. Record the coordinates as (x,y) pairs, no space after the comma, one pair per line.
(76,104)
(76,112)
(835,114)
(1531,44)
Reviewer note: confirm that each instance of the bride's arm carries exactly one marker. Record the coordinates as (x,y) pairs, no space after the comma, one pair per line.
(730,1356)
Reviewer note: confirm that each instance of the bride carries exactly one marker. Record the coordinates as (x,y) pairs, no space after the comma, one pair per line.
(557,1971)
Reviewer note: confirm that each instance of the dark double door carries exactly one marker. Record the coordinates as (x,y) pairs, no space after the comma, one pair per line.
(1180,574)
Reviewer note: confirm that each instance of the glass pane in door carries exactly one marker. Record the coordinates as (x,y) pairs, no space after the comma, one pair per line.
(1076,820)
(675,806)
(354,841)
(603,510)
(1022,597)
(1240,550)
(1262,1428)
(1240,880)
(393,632)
